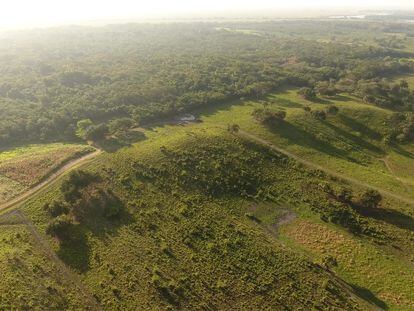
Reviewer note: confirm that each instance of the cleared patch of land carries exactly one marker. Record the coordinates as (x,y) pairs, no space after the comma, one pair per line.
(22,168)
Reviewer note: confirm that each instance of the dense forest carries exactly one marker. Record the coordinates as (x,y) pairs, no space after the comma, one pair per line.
(52,79)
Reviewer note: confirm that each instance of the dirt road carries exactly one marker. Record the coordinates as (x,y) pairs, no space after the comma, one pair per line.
(67,167)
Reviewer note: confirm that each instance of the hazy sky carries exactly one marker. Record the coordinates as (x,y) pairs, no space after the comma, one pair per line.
(42,12)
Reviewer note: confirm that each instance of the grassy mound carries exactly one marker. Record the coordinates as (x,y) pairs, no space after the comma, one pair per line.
(185,232)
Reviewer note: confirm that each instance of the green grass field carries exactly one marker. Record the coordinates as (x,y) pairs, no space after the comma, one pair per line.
(194,250)
(349,143)
(21,168)
(192,236)
(29,279)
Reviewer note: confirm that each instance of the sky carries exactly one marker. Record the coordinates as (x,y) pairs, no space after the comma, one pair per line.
(44,12)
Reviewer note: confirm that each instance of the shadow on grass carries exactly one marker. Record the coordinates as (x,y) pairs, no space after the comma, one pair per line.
(298,136)
(286,103)
(359,127)
(76,251)
(391,217)
(403,152)
(367,295)
(322,101)
(341,98)
(363,144)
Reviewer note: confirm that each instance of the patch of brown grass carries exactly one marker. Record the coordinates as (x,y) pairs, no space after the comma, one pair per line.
(359,261)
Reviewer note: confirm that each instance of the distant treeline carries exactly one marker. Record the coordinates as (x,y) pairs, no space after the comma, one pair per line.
(51,79)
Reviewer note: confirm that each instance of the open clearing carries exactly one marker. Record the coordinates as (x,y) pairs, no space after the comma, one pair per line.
(23,168)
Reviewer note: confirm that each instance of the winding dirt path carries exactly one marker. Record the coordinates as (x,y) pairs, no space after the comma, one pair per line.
(389,168)
(323,169)
(65,168)
(70,276)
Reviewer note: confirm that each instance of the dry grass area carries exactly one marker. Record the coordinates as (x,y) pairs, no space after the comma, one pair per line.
(22,168)
(362,264)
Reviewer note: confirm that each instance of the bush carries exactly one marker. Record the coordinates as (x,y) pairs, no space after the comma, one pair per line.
(76,180)
(307,93)
(370,199)
(233,128)
(345,196)
(329,262)
(57,208)
(269,117)
(326,89)
(332,110)
(319,114)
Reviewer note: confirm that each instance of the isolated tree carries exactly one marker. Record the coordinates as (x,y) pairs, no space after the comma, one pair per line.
(332,110)
(370,199)
(307,93)
(56,208)
(269,117)
(76,180)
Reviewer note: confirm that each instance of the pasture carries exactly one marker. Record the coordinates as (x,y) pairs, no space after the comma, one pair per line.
(24,167)
(350,143)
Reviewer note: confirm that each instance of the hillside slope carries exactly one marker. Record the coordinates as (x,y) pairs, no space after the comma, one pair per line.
(185,232)
(196,217)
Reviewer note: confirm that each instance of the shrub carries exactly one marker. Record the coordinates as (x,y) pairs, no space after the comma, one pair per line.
(332,110)
(269,117)
(325,88)
(329,262)
(233,128)
(345,195)
(57,208)
(319,114)
(76,180)
(307,93)
(370,199)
